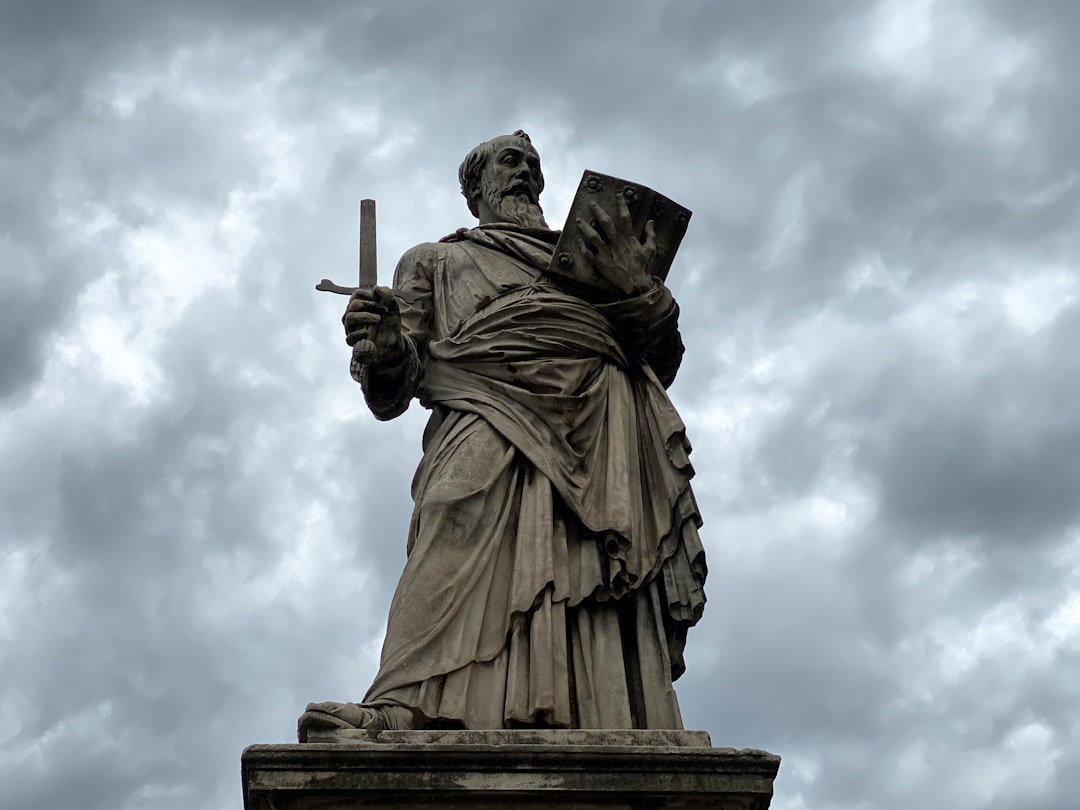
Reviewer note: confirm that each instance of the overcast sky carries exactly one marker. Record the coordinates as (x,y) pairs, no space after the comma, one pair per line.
(201,525)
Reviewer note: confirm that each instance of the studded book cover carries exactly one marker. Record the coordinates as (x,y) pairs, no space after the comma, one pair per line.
(669,219)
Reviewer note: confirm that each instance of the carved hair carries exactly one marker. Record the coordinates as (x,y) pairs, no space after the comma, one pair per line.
(471,169)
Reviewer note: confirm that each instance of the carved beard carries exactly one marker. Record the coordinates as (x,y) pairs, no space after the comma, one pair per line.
(514,207)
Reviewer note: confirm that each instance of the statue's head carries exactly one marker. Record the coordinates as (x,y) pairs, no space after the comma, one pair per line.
(501,181)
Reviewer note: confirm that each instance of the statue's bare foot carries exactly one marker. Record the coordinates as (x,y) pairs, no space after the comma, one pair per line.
(330,716)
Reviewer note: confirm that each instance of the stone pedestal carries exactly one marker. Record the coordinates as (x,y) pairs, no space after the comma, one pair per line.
(584,769)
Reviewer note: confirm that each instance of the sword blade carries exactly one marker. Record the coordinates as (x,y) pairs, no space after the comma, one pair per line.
(369,273)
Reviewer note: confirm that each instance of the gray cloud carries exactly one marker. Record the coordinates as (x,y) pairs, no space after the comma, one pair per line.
(200,526)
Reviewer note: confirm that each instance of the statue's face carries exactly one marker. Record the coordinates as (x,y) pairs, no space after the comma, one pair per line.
(514,168)
(510,186)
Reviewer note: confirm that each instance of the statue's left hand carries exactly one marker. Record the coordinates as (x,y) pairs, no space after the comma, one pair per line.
(615,250)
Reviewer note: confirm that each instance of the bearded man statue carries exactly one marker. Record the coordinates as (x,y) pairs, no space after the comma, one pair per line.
(554,564)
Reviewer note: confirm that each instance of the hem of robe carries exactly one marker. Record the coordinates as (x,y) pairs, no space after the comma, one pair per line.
(599,665)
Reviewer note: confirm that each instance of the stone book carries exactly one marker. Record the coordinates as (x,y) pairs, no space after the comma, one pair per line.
(670,221)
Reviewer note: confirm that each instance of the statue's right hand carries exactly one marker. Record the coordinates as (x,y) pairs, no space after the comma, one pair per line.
(373,327)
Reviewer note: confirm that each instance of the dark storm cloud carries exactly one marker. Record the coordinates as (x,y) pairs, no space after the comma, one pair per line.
(33,257)
(989,453)
(205,535)
(23,333)
(996,458)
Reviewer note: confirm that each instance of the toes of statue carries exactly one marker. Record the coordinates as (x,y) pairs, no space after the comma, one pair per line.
(330,716)
(356,716)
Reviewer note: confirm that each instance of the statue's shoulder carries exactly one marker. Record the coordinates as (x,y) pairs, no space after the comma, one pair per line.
(426,254)
(426,261)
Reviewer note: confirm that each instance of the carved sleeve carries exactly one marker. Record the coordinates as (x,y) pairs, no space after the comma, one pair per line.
(651,323)
(389,390)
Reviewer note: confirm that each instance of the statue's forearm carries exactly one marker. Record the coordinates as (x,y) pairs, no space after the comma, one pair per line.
(661,345)
(651,321)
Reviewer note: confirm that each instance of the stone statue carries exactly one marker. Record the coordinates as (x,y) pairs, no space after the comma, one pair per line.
(554,564)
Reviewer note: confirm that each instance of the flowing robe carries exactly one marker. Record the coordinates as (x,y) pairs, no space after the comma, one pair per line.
(554,564)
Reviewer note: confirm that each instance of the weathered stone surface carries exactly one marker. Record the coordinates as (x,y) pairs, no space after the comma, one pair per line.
(555,773)
(523,736)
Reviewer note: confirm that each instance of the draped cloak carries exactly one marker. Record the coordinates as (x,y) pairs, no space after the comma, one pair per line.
(554,564)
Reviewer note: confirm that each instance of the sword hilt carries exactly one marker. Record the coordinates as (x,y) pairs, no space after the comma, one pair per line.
(326,285)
